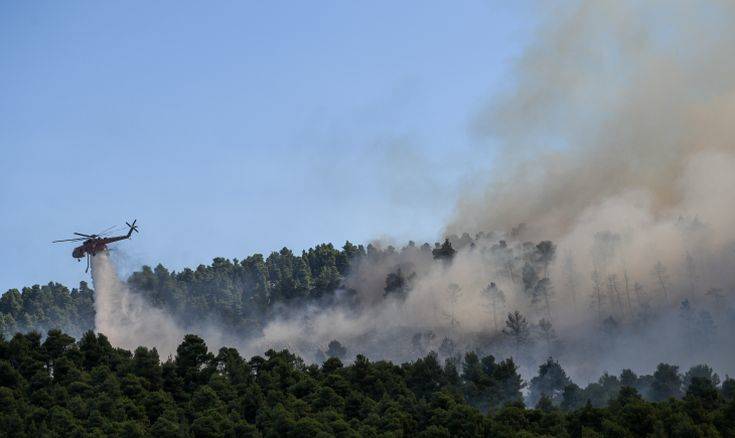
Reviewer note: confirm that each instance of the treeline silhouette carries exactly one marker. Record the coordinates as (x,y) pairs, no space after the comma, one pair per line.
(239,294)
(43,308)
(56,386)
(240,298)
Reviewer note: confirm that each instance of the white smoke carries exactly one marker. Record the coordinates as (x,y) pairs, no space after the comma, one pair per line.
(618,146)
(125,317)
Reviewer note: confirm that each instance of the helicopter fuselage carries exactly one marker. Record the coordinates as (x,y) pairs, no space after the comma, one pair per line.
(94,245)
(91,247)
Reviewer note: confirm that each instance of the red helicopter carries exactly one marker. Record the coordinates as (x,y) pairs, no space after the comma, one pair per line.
(94,243)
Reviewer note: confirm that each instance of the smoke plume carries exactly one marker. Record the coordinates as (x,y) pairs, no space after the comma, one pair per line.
(617,102)
(124,317)
(616,142)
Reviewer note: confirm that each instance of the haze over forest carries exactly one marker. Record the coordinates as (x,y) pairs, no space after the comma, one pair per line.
(604,237)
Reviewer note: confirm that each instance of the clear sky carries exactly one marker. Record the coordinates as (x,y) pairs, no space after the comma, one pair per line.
(228,128)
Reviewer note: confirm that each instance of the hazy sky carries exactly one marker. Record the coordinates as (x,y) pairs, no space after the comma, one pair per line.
(233,128)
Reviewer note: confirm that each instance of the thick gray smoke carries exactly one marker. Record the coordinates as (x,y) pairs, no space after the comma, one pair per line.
(617,145)
(124,317)
(621,109)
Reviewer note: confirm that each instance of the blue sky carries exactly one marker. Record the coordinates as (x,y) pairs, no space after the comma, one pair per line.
(228,128)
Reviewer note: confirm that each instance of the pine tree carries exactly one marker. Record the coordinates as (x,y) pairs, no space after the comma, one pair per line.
(547,332)
(335,349)
(444,251)
(454,292)
(570,277)
(550,381)
(516,327)
(542,293)
(496,299)
(597,299)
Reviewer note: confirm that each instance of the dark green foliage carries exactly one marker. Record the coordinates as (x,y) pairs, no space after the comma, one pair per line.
(550,383)
(241,295)
(56,386)
(336,350)
(60,387)
(702,371)
(443,251)
(488,384)
(398,284)
(47,307)
(516,328)
(728,389)
(666,382)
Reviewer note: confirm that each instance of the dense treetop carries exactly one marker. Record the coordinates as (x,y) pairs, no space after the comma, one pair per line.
(61,387)
(53,385)
(47,307)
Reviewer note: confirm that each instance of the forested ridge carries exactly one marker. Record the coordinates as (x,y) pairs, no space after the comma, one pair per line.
(456,382)
(487,293)
(47,307)
(579,182)
(240,294)
(56,386)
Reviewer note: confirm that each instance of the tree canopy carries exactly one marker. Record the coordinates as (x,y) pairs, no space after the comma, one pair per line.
(61,387)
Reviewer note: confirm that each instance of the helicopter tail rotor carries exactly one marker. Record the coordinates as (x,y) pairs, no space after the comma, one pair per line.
(132,227)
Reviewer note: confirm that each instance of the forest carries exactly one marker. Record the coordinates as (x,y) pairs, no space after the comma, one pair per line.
(240,294)
(488,293)
(581,283)
(53,385)
(447,379)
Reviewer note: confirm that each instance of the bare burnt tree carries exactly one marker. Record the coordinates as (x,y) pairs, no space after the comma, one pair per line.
(662,279)
(597,298)
(613,293)
(570,278)
(640,295)
(505,256)
(604,247)
(454,292)
(691,272)
(628,303)
(496,300)
(688,318)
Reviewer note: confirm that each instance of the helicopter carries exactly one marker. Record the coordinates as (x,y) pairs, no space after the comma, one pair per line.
(94,243)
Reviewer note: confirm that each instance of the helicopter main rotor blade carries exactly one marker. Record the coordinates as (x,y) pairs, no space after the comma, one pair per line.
(108,230)
(84,235)
(76,239)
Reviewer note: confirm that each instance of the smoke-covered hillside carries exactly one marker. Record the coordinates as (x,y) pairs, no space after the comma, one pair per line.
(601,235)
(584,266)
(493,294)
